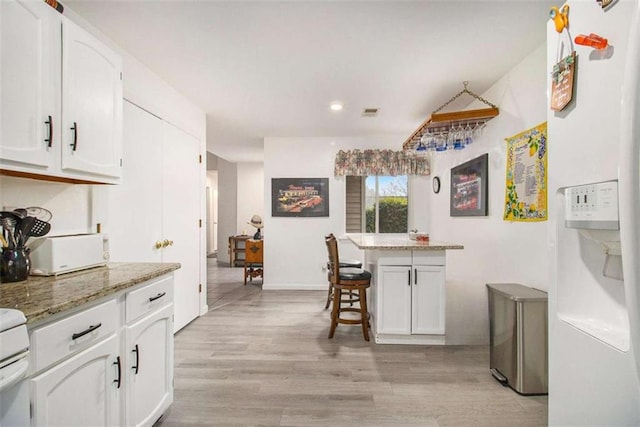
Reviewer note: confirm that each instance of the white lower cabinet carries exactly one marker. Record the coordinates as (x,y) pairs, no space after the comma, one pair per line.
(106,372)
(409,299)
(394,300)
(81,391)
(428,300)
(149,344)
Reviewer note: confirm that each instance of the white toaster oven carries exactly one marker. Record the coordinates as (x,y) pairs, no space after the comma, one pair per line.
(55,255)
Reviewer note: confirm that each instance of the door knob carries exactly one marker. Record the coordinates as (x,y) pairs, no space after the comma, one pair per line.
(158,244)
(165,243)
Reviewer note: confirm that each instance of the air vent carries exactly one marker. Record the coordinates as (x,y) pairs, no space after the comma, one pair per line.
(369,112)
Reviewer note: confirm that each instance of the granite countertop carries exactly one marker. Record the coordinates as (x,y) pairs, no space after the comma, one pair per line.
(400,241)
(39,297)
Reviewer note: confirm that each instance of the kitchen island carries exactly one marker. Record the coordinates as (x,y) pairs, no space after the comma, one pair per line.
(408,292)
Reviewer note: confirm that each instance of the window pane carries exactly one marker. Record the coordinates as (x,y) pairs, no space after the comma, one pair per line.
(392,204)
(370,204)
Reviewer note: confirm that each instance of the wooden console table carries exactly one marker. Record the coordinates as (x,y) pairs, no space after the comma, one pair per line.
(237,246)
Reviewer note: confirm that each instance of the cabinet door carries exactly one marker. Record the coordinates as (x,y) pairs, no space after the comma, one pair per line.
(80,391)
(181,189)
(394,300)
(134,220)
(428,300)
(149,347)
(30,48)
(92,104)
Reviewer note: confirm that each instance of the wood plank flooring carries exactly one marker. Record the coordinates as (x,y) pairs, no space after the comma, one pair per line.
(263,359)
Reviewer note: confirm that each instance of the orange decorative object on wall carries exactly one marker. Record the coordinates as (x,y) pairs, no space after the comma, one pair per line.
(592,40)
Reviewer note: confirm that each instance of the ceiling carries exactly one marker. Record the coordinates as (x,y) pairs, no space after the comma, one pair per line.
(271,69)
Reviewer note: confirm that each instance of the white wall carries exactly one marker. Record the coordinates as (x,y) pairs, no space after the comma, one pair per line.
(227,206)
(212,211)
(495,251)
(295,251)
(70,204)
(250,194)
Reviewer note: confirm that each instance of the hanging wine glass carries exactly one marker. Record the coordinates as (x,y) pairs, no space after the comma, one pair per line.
(430,140)
(441,141)
(421,148)
(458,137)
(468,134)
(477,129)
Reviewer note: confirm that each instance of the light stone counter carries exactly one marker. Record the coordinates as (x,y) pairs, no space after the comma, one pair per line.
(41,297)
(390,241)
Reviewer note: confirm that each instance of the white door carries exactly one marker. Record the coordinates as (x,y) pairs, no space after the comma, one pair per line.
(30,73)
(428,300)
(134,221)
(181,219)
(82,391)
(92,104)
(149,347)
(394,300)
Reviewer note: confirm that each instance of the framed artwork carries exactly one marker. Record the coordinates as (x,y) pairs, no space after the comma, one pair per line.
(470,188)
(300,197)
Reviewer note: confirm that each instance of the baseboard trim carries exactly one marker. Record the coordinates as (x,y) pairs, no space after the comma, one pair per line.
(204,310)
(294,287)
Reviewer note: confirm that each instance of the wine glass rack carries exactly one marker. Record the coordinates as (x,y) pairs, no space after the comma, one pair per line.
(443,124)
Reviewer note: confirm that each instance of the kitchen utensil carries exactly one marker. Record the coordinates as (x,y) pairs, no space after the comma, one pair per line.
(38,229)
(22,213)
(40,213)
(22,232)
(9,221)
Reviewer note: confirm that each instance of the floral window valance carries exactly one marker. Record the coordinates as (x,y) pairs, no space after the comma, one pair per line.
(379,162)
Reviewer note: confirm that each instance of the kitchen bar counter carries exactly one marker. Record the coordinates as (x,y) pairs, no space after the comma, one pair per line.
(408,287)
(40,297)
(390,241)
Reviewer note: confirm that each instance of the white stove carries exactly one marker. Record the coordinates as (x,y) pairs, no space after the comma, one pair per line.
(14,363)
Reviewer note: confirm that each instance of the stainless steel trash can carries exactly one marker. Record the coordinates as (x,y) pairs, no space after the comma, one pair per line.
(518,337)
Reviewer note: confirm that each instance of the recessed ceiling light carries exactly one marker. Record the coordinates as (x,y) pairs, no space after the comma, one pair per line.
(335,106)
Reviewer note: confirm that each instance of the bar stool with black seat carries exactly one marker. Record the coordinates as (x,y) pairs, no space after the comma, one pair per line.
(347,280)
(344,263)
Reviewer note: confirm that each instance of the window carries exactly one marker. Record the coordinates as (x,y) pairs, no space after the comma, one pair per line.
(376,204)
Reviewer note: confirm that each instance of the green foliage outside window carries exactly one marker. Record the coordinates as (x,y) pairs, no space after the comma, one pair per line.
(393,215)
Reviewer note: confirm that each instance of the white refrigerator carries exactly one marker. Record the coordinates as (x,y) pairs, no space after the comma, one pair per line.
(594,303)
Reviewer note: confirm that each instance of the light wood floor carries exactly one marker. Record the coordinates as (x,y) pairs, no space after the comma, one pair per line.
(263,359)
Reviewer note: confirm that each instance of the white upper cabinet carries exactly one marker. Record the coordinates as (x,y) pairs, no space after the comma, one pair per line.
(92,104)
(30,70)
(61,97)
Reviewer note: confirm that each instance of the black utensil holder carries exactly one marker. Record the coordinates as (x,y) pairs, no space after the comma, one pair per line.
(15,265)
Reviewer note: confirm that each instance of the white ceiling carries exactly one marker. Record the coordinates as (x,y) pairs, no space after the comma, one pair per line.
(271,69)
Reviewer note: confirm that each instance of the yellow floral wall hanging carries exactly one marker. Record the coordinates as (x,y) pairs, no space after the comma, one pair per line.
(526,186)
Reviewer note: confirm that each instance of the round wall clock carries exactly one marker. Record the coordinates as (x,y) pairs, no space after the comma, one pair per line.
(436,184)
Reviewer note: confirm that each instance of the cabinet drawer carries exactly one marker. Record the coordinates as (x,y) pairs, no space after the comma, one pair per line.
(148,298)
(428,258)
(59,339)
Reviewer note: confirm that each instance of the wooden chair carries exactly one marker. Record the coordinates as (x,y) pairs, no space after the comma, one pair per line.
(347,280)
(253,258)
(344,263)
